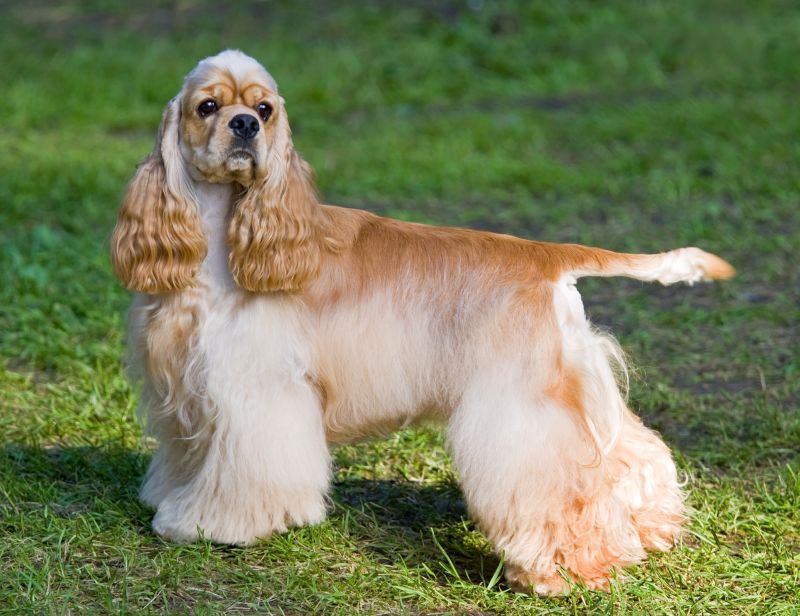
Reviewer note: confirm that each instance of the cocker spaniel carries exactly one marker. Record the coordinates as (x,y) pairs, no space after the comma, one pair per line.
(269,327)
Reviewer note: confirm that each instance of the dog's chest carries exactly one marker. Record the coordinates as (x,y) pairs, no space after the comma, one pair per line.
(214,203)
(215,335)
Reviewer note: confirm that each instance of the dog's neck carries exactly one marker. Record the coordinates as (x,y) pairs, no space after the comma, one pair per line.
(215,202)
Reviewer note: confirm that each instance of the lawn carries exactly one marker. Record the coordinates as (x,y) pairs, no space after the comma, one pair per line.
(636,126)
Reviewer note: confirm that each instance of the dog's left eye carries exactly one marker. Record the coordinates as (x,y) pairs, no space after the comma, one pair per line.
(264,110)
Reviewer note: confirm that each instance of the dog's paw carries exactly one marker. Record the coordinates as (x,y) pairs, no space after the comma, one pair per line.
(235,524)
(557,583)
(523,581)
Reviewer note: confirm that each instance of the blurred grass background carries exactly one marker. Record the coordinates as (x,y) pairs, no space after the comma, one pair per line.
(636,126)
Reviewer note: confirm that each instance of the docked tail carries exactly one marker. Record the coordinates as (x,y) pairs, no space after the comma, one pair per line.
(688,265)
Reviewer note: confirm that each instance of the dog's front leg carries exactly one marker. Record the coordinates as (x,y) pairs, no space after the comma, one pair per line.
(265,465)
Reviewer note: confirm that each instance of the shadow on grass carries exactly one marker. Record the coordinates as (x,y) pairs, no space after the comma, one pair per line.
(424,527)
(421,525)
(69,481)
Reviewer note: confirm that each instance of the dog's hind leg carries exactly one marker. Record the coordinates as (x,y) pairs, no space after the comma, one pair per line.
(558,474)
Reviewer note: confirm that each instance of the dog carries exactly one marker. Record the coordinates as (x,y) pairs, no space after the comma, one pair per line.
(268,327)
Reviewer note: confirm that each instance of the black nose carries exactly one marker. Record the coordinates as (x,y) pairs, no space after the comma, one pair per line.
(244,126)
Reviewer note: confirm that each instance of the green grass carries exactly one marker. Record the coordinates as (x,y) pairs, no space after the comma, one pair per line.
(635,126)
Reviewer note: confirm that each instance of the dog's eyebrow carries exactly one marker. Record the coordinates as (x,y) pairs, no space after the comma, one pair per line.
(259,90)
(211,78)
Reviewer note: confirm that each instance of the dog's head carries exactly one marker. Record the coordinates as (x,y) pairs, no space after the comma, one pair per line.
(231,118)
(228,124)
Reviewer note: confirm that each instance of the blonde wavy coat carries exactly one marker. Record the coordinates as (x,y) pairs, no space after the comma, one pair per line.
(267,326)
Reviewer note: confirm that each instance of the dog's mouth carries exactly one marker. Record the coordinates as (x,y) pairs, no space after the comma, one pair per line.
(241,154)
(240,160)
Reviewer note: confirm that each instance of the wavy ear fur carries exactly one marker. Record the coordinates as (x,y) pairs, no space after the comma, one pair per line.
(158,242)
(273,234)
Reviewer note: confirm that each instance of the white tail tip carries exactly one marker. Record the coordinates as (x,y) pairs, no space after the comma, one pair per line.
(691,265)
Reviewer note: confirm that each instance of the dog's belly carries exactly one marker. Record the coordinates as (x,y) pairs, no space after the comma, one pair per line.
(380,367)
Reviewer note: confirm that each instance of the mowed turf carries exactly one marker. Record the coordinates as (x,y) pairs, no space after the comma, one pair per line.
(634,126)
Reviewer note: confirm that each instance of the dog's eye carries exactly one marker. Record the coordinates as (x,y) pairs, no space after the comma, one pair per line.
(264,110)
(207,108)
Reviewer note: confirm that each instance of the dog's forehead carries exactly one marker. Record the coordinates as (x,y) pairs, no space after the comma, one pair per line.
(233,65)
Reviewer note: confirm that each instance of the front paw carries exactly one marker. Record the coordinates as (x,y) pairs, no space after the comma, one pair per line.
(175,530)
(235,525)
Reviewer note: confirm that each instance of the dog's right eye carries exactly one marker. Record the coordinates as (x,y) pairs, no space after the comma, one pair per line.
(207,108)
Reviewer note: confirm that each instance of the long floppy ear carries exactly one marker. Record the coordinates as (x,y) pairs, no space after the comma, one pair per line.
(273,234)
(158,243)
